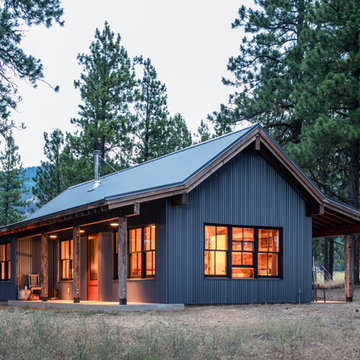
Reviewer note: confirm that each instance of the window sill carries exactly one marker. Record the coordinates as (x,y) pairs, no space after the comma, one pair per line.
(65,281)
(236,279)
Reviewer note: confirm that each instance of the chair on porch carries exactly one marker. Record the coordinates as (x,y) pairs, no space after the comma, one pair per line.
(34,283)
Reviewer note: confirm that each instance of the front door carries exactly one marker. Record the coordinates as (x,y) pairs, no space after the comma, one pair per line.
(93,268)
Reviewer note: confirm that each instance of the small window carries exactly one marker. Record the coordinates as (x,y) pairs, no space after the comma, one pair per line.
(135,253)
(141,252)
(215,250)
(5,263)
(149,250)
(66,259)
(268,252)
(242,256)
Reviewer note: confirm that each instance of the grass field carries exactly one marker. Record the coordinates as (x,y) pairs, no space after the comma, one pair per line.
(330,331)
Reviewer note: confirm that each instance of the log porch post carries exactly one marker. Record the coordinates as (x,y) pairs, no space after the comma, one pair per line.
(122,257)
(76,264)
(44,267)
(349,267)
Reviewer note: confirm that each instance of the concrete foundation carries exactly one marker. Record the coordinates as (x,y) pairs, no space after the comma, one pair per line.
(95,306)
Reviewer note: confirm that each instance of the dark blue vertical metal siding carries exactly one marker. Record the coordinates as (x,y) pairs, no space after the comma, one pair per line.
(247,191)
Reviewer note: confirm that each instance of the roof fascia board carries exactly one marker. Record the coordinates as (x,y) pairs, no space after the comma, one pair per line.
(235,149)
(347,211)
(291,166)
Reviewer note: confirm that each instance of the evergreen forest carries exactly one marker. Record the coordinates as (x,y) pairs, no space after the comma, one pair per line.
(296,72)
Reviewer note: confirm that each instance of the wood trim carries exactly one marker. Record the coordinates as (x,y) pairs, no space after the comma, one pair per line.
(76,264)
(290,166)
(122,259)
(181,199)
(44,267)
(349,267)
(336,230)
(257,138)
(227,156)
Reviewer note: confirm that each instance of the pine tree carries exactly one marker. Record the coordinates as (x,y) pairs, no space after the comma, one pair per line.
(12,177)
(333,61)
(203,132)
(49,180)
(268,70)
(178,135)
(106,88)
(151,113)
(157,133)
(14,62)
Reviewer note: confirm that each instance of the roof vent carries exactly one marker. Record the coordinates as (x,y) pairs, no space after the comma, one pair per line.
(96,164)
(96,170)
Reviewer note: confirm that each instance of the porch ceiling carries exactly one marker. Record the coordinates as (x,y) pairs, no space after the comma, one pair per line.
(334,221)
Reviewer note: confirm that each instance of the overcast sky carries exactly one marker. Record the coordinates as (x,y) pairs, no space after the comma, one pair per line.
(188,42)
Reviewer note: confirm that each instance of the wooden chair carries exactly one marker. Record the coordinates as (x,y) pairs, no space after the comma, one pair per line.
(34,283)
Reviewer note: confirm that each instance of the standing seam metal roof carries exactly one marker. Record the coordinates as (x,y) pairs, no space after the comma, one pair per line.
(160,173)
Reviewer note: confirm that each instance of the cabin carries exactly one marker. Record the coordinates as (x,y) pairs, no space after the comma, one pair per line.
(226,221)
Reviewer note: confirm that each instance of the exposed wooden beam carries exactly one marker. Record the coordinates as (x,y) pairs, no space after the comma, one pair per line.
(336,230)
(315,209)
(44,267)
(76,264)
(334,220)
(324,222)
(340,218)
(122,256)
(181,199)
(257,142)
(130,210)
(349,267)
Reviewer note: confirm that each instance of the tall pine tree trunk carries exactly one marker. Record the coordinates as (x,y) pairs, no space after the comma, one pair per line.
(354,198)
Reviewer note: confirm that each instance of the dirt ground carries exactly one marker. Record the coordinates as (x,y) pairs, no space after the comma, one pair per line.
(277,331)
(338,294)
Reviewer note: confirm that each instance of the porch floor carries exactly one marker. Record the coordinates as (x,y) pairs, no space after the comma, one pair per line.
(95,305)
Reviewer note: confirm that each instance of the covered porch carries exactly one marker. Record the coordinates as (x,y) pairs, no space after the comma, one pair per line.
(87,262)
(335,219)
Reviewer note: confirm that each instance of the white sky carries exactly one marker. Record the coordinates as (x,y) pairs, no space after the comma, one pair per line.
(188,42)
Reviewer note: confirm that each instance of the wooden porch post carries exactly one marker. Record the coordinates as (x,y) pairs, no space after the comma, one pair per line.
(76,264)
(122,257)
(44,267)
(349,267)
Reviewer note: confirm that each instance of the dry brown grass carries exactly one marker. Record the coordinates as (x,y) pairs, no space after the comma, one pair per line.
(330,331)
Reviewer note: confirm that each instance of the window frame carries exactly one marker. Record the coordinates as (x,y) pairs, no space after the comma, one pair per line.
(229,265)
(227,251)
(7,263)
(71,277)
(142,252)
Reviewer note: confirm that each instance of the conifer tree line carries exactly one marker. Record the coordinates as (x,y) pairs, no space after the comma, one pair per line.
(123,114)
(15,65)
(298,74)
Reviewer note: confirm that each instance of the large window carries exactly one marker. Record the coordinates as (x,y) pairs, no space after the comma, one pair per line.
(66,259)
(142,252)
(5,263)
(241,252)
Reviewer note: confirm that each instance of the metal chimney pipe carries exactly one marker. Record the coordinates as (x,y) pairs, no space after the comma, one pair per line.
(96,164)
